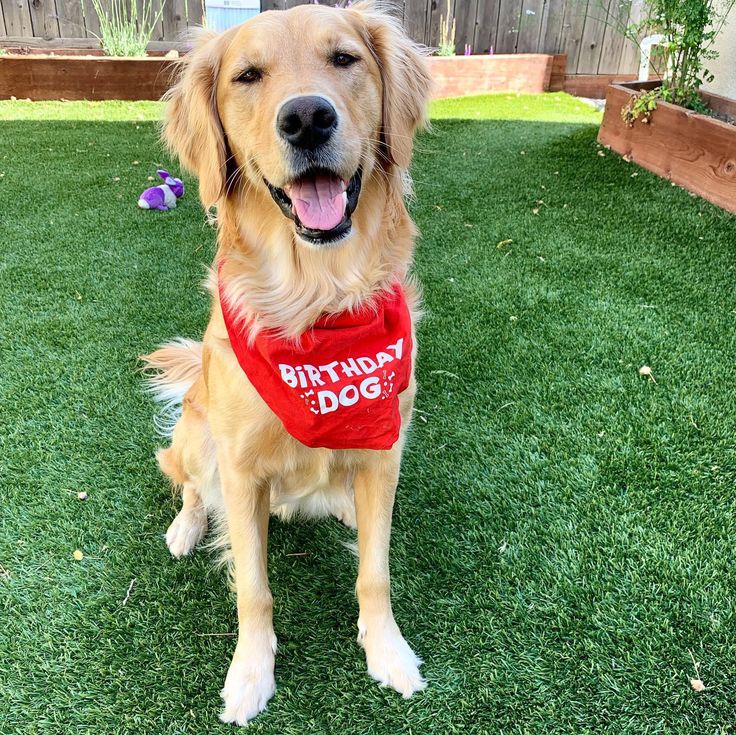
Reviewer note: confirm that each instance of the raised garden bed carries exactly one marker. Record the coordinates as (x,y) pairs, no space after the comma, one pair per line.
(89,77)
(697,152)
(456,76)
(74,77)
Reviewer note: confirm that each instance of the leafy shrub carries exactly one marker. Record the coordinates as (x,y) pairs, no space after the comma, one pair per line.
(689,28)
(126,31)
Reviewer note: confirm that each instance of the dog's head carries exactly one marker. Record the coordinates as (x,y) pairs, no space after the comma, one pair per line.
(304,105)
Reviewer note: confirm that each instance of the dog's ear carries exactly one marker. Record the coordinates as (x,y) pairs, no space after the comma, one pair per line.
(407,83)
(192,127)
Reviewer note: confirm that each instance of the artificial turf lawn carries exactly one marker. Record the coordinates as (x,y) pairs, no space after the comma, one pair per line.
(564,531)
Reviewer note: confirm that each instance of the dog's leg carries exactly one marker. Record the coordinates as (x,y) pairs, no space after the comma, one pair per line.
(343,499)
(390,659)
(189,526)
(250,680)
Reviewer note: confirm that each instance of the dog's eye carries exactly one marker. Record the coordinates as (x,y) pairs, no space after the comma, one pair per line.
(249,76)
(343,59)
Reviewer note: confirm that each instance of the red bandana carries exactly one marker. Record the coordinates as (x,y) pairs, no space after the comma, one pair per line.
(337,385)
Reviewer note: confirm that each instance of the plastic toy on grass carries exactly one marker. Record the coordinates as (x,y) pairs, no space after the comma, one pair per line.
(164,195)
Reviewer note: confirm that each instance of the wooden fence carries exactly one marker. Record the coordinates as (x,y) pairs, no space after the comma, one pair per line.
(588,31)
(74,24)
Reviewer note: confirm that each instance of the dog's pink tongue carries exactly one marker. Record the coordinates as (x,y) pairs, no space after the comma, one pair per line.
(318,201)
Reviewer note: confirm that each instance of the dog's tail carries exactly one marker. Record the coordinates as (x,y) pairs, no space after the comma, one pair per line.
(170,372)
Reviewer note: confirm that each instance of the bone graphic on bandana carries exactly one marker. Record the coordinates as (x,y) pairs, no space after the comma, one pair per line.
(328,400)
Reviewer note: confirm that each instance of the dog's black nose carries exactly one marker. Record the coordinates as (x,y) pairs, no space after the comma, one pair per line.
(306,122)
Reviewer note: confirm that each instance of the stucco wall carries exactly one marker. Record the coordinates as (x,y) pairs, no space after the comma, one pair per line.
(724,67)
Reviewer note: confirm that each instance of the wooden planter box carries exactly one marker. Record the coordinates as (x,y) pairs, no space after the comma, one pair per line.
(455,76)
(74,77)
(695,151)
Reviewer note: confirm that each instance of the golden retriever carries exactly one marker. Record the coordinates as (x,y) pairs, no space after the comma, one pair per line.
(310,106)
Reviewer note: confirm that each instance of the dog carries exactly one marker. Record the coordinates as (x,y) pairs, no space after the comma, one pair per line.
(299,125)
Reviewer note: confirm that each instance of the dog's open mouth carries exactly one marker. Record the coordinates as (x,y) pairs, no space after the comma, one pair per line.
(320,203)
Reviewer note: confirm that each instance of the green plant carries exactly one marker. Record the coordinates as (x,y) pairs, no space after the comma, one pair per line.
(640,107)
(126,29)
(447,34)
(689,28)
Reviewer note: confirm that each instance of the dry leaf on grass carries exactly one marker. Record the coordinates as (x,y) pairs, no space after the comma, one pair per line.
(696,682)
(697,685)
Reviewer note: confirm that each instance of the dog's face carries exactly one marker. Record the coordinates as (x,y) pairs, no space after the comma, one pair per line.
(299,96)
(305,105)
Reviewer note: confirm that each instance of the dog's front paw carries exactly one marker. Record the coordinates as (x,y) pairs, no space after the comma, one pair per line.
(249,686)
(391,662)
(186,531)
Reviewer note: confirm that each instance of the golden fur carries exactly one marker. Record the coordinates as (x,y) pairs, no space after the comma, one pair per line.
(229,454)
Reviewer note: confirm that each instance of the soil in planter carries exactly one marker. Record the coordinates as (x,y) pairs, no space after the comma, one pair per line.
(730,119)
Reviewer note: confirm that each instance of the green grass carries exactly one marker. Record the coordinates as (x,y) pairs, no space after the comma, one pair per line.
(564,532)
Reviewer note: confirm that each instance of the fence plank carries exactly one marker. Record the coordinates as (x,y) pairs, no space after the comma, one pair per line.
(174,18)
(465,15)
(195,13)
(486,26)
(508,26)
(437,10)
(595,28)
(91,21)
(43,18)
(71,18)
(415,19)
(572,32)
(549,42)
(630,53)
(17,18)
(530,26)
(543,23)
(3,32)
(613,37)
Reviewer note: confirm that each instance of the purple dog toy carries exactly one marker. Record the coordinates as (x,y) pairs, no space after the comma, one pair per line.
(164,196)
